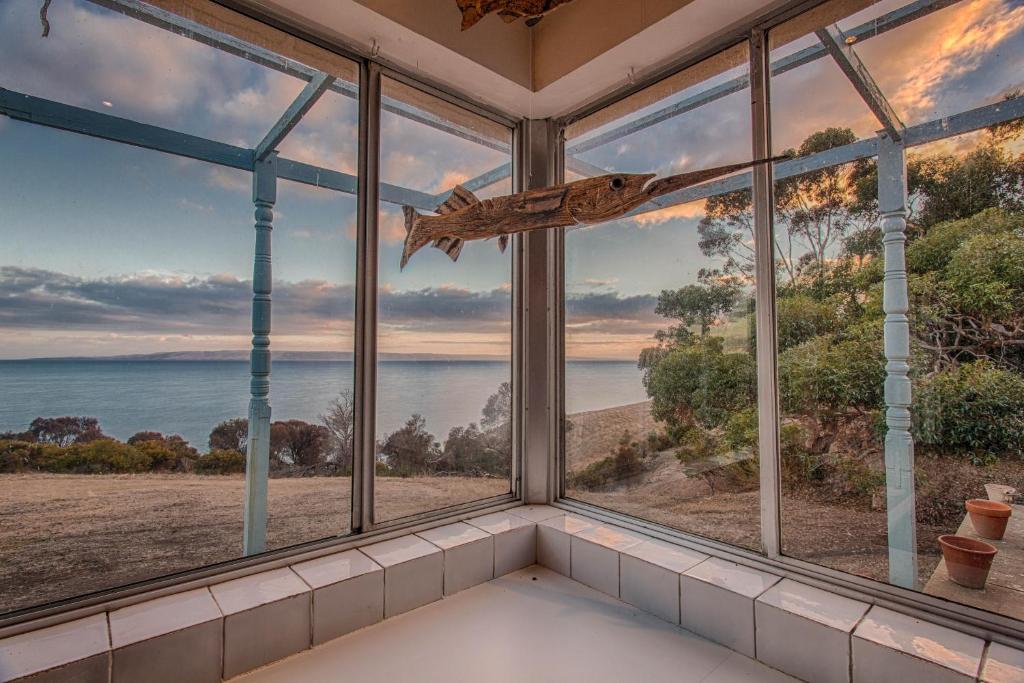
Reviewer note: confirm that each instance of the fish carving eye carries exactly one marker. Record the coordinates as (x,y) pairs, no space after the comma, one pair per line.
(617,182)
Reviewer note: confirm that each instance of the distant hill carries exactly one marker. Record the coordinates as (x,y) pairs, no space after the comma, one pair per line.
(240,355)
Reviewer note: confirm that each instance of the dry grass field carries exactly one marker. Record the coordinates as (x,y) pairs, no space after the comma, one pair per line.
(66,535)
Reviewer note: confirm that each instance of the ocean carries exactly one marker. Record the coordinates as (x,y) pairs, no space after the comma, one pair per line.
(190,397)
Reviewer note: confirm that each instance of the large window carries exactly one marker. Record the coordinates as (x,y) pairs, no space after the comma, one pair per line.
(660,377)
(444,394)
(143,429)
(860,480)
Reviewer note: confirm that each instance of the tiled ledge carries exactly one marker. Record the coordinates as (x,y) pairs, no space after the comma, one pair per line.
(238,625)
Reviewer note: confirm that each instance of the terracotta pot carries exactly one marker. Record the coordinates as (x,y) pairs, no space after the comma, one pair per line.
(989,517)
(967,560)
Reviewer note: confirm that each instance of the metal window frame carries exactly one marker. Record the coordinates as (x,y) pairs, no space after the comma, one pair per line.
(965,618)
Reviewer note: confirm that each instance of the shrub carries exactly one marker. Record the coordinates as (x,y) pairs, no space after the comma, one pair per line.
(230,435)
(975,410)
(219,461)
(741,430)
(298,443)
(832,377)
(801,318)
(931,252)
(699,382)
(64,431)
(169,453)
(103,456)
(410,450)
(627,460)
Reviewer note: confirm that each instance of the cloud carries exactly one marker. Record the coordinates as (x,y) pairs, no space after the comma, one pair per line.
(595,282)
(687,211)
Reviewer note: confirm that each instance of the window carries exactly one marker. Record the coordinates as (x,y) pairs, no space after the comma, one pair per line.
(868,487)
(444,395)
(126,295)
(660,375)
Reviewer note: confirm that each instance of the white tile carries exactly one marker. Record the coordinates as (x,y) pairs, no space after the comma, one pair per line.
(453,535)
(1003,665)
(536,513)
(515,540)
(348,593)
(160,660)
(717,601)
(733,577)
(468,555)
(79,644)
(148,639)
(399,550)
(264,634)
(649,587)
(255,590)
(161,616)
(594,556)
(331,569)
(805,631)
(413,572)
(553,547)
(266,618)
(667,555)
(499,522)
(887,643)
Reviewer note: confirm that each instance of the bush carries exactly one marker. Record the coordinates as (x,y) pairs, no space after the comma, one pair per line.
(230,435)
(801,318)
(626,461)
(975,410)
(64,431)
(931,252)
(701,383)
(410,450)
(103,456)
(741,430)
(219,461)
(168,453)
(833,377)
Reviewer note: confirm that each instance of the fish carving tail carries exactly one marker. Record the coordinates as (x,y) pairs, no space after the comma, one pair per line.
(414,240)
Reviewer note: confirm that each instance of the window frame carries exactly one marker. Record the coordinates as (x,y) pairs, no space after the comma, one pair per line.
(966,618)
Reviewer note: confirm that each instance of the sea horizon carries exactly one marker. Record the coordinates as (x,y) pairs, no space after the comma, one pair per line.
(189,397)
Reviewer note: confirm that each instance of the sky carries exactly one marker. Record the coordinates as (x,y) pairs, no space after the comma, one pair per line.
(111,249)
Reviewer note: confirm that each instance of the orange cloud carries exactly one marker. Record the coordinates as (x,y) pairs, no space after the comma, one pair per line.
(685,211)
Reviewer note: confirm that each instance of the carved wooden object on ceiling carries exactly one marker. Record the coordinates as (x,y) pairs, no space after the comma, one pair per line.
(509,10)
(603,198)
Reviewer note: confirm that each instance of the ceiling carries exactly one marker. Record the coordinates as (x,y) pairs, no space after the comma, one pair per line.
(579,52)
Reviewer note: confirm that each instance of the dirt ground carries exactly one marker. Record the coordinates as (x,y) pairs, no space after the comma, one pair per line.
(67,535)
(853,541)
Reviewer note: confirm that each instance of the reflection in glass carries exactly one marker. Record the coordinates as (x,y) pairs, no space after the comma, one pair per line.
(444,395)
(660,377)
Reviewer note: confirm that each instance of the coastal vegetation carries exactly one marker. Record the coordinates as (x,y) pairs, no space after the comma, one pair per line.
(77,445)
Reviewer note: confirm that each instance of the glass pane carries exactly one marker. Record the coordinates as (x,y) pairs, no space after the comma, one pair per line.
(125,313)
(445,328)
(660,376)
(840,471)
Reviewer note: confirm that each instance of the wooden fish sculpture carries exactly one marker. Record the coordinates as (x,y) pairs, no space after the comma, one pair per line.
(509,10)
(463,217)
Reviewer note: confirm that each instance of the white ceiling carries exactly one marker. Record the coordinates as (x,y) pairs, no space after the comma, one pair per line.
(681,31)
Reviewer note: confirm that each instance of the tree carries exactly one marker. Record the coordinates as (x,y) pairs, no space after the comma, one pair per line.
(410,450)
(700,383)
(230,435)
(702,304)
(298,443)
(814,213)
(64,431)
(340,423)
(497,412)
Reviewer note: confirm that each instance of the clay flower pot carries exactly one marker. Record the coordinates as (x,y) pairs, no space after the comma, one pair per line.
(989,517)
(967,560)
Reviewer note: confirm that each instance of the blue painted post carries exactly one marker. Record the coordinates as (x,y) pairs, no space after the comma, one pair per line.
(899,445)
(257,466)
